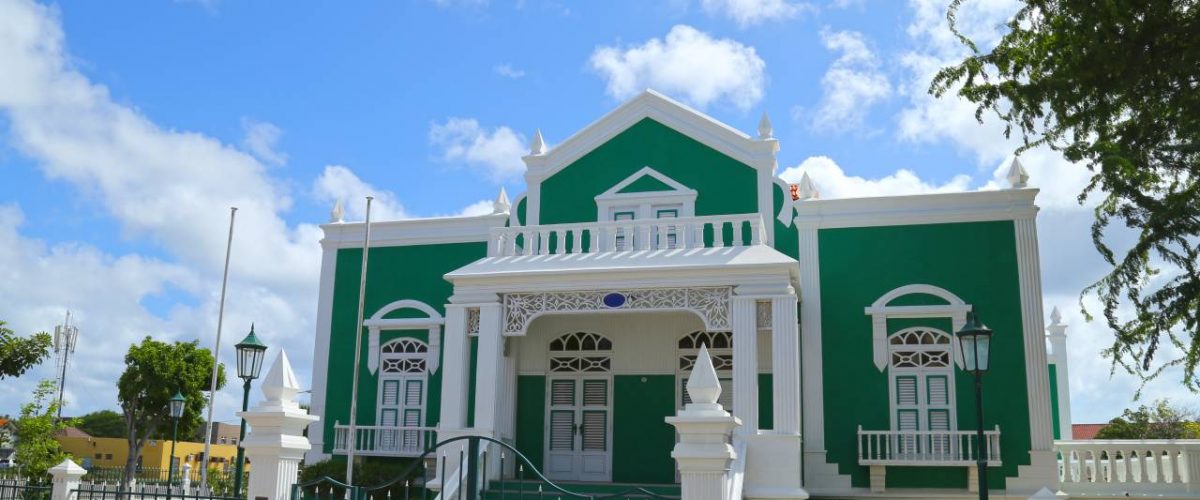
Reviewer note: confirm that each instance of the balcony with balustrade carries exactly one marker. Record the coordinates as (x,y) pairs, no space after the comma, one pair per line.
(383,441)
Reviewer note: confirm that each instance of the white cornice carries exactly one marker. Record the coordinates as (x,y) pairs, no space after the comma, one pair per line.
(1005,204)
(759,154)
(413,231)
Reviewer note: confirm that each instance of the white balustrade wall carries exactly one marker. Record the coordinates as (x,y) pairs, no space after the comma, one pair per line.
(1161,468)
(926,447)
(648,234)
(381,440)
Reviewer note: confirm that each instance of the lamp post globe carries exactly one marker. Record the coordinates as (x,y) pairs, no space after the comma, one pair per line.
(250,354)
(975,341)
(175,407)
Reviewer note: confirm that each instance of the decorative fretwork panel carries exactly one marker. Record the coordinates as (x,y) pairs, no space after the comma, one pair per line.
(581,342)
(403,365)
(473,321)
(580,364)
(721,362)
(711,303)
(404,346)
(762,310)
(714,340)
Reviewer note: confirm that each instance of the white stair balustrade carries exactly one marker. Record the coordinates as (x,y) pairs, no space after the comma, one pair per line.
(926,448)
(685,233)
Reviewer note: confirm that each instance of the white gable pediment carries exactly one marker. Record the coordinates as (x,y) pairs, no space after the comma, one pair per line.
(673,186)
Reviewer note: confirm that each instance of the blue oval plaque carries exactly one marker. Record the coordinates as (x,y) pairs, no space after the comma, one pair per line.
(614,300)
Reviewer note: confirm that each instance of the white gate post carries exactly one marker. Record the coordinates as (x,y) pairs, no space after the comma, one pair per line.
(186,479)
(276,441)
(66,479)
(704,453)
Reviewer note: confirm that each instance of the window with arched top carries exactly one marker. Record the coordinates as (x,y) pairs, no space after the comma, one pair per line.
(921,375)
(580,352)
(720,350)
(402,394)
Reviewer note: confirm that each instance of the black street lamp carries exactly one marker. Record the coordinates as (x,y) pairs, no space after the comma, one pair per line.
(976,342)
(175,405)
(250,353)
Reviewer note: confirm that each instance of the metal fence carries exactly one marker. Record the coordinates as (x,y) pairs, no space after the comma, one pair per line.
(145,492)
(24,489)
(219,481)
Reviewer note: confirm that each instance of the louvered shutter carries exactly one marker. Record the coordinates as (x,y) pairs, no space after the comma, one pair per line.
(595,393)
(387,438)
(412,418)
(938,395)
(906,391)
(391,392)
(562,430)
(412,393)
(595,430)
(562,392)
(906,420)
(726,397)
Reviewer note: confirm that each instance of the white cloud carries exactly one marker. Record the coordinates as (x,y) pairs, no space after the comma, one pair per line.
(481,207)
(832,181)
(688,63)
(262,139)
(169,188)
(496,152)
(508,71)
(852,84)
(338,183)
(750,12)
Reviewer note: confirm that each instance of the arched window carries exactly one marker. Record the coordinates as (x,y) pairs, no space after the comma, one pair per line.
(720,349)
(921,375)
(402,395)
(580,352)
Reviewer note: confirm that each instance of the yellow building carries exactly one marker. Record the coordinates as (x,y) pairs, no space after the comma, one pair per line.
(112,452)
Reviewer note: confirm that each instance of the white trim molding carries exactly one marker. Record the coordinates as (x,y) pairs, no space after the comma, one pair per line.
(432,322)
(1008,204)
(320,371)
(428,231)
(880,312)
(710,303)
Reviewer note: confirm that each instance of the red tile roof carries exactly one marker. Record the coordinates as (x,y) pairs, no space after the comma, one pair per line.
(1085,431)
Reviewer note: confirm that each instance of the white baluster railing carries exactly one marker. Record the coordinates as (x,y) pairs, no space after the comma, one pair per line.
(1137,467)
(629,235)
(384,440)
(947,448)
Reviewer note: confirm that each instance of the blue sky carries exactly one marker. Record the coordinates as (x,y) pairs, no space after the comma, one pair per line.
(128,128)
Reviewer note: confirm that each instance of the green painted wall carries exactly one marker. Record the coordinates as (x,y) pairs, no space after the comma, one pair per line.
(642,439)
(412,272)
(724,185)
(1054,400)
(531,417)
(766,408)
(868,262)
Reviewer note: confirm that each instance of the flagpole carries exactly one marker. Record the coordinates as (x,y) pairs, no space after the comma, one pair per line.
(362,293)
(212,390)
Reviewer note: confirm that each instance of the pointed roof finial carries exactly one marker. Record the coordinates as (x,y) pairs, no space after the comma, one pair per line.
(501,205)
(806,190)
(338,214)
(765,130)
(1055,316)
(538,145)
(280,384)
(1017,177)
(703,385)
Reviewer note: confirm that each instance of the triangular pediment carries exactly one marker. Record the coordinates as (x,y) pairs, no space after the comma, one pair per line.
(756,153)
(644,181)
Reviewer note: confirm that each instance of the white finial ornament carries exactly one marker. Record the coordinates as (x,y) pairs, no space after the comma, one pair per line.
(807,190)
(765,130)
(501,205)
(280,385)
(538,145)
(338,214)
(1017,177)
(1055,316)
(703,385)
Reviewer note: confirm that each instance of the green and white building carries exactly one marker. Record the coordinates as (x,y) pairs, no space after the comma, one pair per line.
(566,322)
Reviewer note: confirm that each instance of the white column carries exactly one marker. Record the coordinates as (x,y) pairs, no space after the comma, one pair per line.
(704,452)
(1036,378)
(276,442)
(785,364)
(810,308)
(66,476)
(489,379)
(1058,346)
(455,370)
(320,368)
(744,317)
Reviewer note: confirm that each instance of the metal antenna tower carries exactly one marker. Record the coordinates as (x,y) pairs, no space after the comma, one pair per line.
(65,336)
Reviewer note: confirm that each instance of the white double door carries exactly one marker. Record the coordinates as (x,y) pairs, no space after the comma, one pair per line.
(579,428)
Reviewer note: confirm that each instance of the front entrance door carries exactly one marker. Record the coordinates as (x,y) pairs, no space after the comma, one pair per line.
(579,431)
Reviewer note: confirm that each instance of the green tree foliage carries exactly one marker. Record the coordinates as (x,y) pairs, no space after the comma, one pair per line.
(155,371)
(1113,85)
(19,354)
(103,423)
(1158,421)
(37,449)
